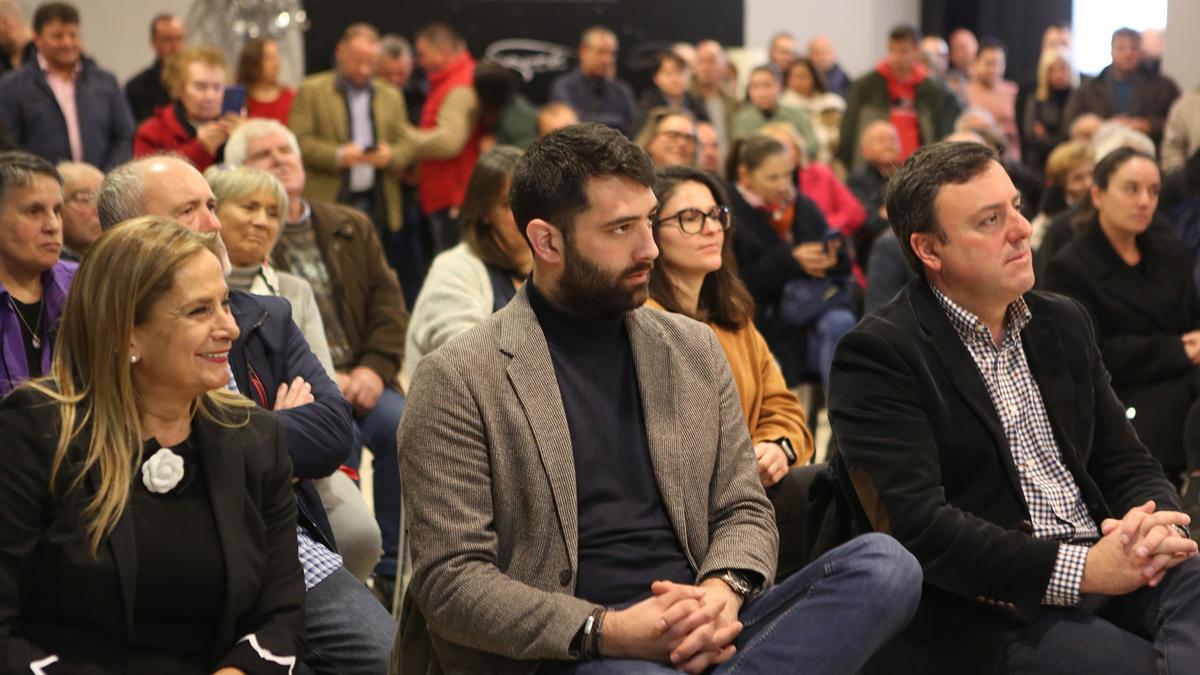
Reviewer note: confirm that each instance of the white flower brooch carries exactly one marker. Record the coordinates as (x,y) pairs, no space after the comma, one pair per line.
(163,471)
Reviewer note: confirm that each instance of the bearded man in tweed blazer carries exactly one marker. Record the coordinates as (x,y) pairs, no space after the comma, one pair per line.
(580,486)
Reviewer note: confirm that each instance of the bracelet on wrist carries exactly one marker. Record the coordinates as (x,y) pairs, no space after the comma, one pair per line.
(589,647)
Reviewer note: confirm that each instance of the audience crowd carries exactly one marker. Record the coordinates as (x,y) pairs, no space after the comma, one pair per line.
(990,279)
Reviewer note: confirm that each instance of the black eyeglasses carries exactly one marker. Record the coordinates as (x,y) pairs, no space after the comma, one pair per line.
(691,221)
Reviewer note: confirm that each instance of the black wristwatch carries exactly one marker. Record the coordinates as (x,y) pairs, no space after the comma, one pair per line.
(788,450)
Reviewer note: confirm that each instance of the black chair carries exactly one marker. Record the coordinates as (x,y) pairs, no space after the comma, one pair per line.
(790,498)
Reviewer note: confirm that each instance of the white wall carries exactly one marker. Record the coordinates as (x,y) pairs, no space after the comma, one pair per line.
(858,28)
(1181,59)
(117,32)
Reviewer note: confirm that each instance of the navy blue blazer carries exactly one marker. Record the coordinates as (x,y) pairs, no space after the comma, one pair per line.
(270,351)
(31,114)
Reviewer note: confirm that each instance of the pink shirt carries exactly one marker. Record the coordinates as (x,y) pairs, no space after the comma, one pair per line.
(64,93)
(1001,102)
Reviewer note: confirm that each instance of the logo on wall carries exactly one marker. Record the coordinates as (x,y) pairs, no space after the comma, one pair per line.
(529,57)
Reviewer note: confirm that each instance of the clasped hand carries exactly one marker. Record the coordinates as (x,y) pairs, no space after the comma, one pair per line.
(362,387)
(691,627)
(1136,551)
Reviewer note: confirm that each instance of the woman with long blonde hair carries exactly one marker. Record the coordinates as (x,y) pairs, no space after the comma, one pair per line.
(147,523)
(1044,125)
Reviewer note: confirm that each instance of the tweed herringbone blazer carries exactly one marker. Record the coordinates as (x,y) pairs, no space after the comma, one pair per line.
(489,486)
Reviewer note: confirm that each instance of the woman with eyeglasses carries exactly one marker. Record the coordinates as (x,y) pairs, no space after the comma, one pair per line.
(669,137)
(696,275)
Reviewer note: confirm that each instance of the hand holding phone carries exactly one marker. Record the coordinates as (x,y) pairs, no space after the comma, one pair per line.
(234,100)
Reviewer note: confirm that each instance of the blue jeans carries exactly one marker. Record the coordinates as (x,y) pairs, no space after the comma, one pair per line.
(827,618)
(1152,630)
(827,330)
(346,630)
(377,431)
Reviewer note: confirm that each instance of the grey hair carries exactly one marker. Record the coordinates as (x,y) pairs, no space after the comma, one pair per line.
(395,46)
(120,194)
(17,169)
(251,130)
(1113,135)
(242,181)
(13,9)
(68,169)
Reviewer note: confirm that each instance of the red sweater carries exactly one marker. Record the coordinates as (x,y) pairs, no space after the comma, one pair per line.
(444,181)
(903,97)
(165,130)
(277,110)
(842,210)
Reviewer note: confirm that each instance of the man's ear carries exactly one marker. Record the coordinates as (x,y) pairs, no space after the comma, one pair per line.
(546,240)
(927,246)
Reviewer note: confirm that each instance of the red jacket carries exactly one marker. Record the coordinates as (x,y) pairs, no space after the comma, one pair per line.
(444,181)
(842,210)
(168,130)
(903,95)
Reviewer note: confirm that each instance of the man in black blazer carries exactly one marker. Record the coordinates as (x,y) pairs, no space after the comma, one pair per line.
(977,426)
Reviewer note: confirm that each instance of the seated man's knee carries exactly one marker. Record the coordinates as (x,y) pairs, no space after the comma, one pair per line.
(836,322)
(895,575)
(379,426)
(357,533)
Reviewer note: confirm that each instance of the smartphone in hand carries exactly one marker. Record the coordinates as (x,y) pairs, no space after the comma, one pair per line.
(234,101)
(829,238)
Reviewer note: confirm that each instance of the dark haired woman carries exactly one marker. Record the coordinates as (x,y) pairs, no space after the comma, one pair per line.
(478,276)
(258,72)
(791,261)
(805,89)
(763,105)
(696,275)
(1136,281)
(505,115)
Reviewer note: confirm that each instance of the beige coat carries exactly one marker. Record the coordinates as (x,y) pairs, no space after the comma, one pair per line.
(489,487)
(319,120)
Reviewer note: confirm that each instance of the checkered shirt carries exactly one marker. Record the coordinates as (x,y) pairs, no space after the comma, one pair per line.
(317,561)
(1055,504)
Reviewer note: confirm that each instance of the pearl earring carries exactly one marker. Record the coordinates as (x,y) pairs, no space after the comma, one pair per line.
(133,358)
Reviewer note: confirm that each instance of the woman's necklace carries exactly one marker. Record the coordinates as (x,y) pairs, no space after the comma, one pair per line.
(35,332)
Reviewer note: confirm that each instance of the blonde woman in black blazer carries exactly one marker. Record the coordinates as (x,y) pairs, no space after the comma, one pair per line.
(147,523)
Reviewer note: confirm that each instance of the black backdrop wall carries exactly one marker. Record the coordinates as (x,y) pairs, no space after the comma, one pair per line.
(1019,23)
(537,38)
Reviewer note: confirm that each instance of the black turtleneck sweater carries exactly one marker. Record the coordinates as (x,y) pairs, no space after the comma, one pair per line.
(626,540)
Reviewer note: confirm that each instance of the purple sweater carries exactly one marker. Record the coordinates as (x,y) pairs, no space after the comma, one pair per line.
(13,367)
